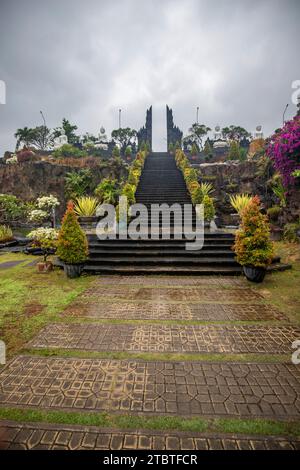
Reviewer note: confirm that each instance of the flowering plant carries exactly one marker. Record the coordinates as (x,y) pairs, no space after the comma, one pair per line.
(47,203)
(37,215)
(284,150)
(46,239)
(12,160)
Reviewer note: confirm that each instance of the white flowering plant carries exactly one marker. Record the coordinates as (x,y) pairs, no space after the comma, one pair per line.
(46,239)
(38,215)
(47,203)
(12,160)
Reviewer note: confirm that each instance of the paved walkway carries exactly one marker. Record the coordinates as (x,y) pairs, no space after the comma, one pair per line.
(168,309)
(48,436)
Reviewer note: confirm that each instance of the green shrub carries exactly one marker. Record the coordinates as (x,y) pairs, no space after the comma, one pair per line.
(273,213)
(77,183)
(72,245)
(290,232)
(253,246)
(68,150)
(194,150)
(11,208)
(209,209)
(107,191)
(5,234)
(116,151)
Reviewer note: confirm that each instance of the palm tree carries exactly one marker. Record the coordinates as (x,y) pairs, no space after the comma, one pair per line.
(23,136)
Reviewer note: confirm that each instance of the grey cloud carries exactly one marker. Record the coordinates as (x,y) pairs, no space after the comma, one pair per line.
(83,60)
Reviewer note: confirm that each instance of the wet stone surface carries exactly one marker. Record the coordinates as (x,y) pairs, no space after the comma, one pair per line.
(168,338)
(153,388)
(165,311)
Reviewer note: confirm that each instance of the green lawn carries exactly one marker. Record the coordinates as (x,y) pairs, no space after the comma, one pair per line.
(30,300)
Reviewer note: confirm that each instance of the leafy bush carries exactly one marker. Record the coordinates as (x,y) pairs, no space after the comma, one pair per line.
(273,212)
(279,190)
(68,150)
(77,183)
(252,241)
(239,202)
(194,149)
(116,151)
(11,208)
(128,151)
(46,239)
(24,155)
(72,245)
(290,232)
(86,206)
(5,233)
(209,209)
(107,191)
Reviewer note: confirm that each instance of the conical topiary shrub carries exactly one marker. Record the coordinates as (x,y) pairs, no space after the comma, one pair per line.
(253,246)
(72,245)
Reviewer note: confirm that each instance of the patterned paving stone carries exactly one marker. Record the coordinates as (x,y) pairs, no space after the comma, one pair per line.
(52,436)
(172,281)
(167,294)
(153,388)
(168,338)
(165,311)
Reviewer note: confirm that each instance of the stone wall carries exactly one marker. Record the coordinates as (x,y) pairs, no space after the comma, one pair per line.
(231,177)
(30,180)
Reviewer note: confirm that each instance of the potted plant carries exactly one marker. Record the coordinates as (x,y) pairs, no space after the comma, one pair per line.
(239,202)
(128,153)
(253,246)
(46,240)
(72,245)
(194,151)
(85,208)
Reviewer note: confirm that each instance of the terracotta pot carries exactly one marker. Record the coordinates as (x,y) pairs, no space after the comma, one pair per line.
(44,267)
(254,274)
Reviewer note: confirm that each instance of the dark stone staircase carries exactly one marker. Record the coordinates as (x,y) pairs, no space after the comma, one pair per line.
(161,182)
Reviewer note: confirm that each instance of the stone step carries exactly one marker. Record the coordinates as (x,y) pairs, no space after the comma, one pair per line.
(131,269)
(162,260)
(94,254)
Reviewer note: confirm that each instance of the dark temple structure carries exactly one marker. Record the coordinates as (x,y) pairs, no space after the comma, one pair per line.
(145,133)
(174,134)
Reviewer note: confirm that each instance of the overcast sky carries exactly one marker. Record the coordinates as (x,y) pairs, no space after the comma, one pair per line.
(84,60)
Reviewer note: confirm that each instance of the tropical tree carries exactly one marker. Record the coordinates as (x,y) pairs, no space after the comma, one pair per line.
(235,133)
(196,134)
(124,137)
(69,129)
(23,136)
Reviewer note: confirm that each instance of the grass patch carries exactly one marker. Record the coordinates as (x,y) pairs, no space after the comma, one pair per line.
(281,289)
(30,300)
(209,357)
(163,423)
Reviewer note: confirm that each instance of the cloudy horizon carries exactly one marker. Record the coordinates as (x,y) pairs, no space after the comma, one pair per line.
(236,60)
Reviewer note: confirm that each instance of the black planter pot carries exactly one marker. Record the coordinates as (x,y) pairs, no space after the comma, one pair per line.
(88,222)
(254,274)
(73,270)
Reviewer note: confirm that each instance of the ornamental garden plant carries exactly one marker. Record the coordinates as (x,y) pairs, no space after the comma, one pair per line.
(72,245)
(253,247)
(284,151)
